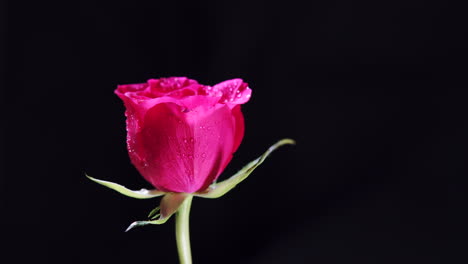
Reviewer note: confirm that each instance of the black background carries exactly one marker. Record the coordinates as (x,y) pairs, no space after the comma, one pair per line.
(372,93)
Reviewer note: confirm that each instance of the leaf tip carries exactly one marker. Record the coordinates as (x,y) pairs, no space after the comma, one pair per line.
(131,226)
(91,178)
(285,141)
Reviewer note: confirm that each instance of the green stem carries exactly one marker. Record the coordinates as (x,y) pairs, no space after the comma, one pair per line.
(183,231)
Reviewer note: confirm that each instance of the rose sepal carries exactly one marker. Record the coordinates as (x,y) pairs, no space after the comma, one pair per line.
(169,205)
(171,202)
(138,194)
(219,189)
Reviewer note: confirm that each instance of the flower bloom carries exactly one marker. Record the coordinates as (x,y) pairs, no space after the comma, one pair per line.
(182,134)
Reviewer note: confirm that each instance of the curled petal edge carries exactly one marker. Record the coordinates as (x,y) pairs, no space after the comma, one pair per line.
(221,188)
(138,194)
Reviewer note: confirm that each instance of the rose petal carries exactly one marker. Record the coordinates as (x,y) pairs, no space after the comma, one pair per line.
(181,134)
(167,85)
(239,126)
(131,87)
(184,151)
(234,92)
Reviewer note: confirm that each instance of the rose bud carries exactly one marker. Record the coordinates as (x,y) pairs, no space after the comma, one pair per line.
(182,134)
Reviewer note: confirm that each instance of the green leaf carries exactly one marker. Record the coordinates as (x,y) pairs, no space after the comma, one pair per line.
(170,203)
(219,189)
(140,194)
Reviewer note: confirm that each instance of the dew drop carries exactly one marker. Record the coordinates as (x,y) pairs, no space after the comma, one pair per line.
(203,155)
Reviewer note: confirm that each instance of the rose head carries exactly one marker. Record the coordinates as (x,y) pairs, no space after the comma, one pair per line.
(182,134)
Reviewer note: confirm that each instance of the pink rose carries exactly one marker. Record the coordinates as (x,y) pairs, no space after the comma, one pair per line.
(182,134)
